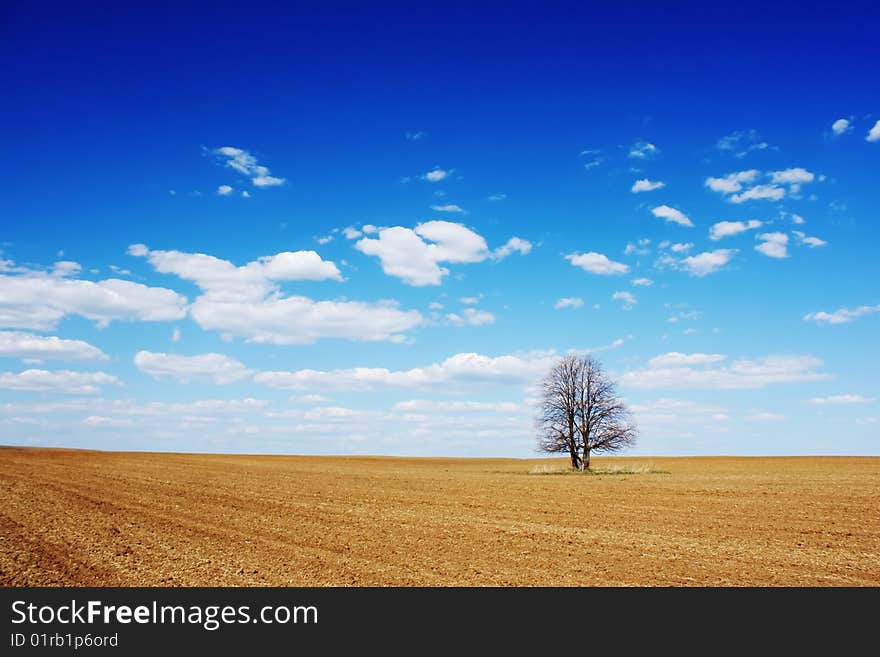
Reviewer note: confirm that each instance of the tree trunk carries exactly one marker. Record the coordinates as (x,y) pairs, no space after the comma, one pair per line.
(575,460)
(585,462)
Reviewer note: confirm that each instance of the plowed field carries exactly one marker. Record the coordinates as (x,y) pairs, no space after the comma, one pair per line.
(72,517)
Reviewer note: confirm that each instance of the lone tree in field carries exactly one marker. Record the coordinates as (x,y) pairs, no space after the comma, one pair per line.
(581,412)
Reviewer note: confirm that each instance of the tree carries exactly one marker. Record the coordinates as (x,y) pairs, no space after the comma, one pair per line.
(580,412)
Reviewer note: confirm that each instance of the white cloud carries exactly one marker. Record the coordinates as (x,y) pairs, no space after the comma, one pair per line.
(436,175)
(773,245)
(740,186)
(707,262)
(643,282)
(874,133)
(471,317)
(812,242)
(513,245)
(246,164)
(628,299)
(797,219)
(742,142)
(728,228)
(224,190)
(642,150)
(765,416)
(639,248)
(222,279)
(175,335)
(62,381)
(456,372)
(112,422)
(597,263)
(842,399)
(31,299)
(435,406)
(758,192)
(496,197)
(245,194)
(678,359)
(672,215)
(66,268)
(450,207)
(840,126)
(326,239)
(793,176)
(732,182)
(681,247)
(14,344)
(414,255)
(246,301)
(569,302)
(213,368)
(840,316)
(645,185)
(470,301)
(351,233)
(740,374)
(415,136)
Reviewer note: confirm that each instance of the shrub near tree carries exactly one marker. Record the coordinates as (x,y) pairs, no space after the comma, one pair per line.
(581,413)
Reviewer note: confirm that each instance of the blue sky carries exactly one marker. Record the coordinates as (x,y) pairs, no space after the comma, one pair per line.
(340,230)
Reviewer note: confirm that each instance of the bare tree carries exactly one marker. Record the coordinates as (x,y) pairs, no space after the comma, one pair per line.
(581,413)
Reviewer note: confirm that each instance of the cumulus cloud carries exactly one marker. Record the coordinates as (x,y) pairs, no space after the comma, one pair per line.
(728,228)
(672,215)
(213,368)
(773,245)
(569,302)
(758,192)
(874,133)
(627,299)
(450,207)
(442,406)
(470,317)
(31,299)
(841,126)
(743,186)
(465,370)
(597,263)
(732,182)
(681,247)
(707,262)
(840,316)
(513,245)
(812,242)
(414,254)
(793,176)
(643,282)
(678,359)
(224,190)
(742,142)
(246,164)
(246,301)
(15,344)
(706,371)
(645,185)
(842,399)
(61,381)
(496,197)
(643,150)
(436,175)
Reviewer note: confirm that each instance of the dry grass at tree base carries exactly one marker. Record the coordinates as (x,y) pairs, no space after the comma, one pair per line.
(131,519)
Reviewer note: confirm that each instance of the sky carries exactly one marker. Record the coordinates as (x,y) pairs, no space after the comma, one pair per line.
(332,229)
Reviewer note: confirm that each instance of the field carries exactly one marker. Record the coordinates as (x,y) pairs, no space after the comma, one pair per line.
(131,519)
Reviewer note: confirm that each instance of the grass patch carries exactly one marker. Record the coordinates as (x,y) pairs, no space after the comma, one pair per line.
(550,469)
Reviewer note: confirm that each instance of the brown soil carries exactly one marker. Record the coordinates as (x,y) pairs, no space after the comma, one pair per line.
(132,519)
